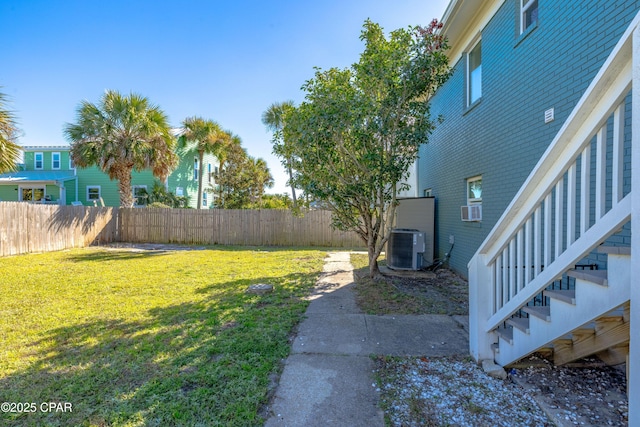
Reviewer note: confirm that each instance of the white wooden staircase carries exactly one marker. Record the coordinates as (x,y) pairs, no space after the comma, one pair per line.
(581,202)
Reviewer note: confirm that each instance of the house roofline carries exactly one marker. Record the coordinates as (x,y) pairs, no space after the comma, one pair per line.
(45,147)
(463,21)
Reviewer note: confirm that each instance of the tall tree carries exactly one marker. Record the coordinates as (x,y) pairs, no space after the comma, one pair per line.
(243,180)
(274,118)
(359,129)
(203,137)
(121,134)
(9,150)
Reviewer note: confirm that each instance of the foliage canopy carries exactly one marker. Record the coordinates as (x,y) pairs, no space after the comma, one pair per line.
(121,134)
(353,139)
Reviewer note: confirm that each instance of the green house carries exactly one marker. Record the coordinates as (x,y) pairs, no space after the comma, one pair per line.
(47,175)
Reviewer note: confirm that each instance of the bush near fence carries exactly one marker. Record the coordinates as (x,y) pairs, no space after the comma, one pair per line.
(26,227)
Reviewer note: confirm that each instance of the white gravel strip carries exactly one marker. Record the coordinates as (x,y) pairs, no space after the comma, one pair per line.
(442,391)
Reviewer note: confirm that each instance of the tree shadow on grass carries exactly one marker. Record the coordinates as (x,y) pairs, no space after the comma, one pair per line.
(196,363)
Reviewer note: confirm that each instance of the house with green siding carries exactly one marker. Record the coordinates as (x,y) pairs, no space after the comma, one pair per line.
(47,175)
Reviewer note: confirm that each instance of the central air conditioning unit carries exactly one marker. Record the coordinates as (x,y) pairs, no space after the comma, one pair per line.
(405,248)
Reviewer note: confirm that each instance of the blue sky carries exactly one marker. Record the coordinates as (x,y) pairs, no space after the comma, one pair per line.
(222,60)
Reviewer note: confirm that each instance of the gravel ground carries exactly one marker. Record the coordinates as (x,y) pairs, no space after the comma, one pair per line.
(456,392)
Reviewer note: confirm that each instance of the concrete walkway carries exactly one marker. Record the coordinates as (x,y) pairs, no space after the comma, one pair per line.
(328,378)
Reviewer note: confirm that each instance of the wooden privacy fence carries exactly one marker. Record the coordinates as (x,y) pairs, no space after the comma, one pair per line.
(26,227)
(263,227)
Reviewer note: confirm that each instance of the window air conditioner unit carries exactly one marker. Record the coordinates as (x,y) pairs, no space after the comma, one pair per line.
(471,212)
(405,248)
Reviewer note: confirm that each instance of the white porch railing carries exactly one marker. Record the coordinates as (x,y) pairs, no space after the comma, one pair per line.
(565,207)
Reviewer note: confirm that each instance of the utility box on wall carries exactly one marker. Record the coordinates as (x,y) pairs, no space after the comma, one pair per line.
(419,214)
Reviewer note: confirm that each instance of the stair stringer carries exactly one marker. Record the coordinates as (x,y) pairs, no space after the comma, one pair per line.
(592,301)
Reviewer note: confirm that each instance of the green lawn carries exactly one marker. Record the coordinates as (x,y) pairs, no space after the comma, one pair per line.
(147,338)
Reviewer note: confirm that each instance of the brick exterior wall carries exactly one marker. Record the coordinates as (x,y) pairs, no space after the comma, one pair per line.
(503,136)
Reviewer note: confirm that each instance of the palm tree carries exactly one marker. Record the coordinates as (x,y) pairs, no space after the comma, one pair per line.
(122,134)
(9,150)
(274,119)
(204,137)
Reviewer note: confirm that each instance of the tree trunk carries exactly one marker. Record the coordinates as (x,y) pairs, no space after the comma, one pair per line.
(293,189)
(200,174)
(374,270)
(124,187)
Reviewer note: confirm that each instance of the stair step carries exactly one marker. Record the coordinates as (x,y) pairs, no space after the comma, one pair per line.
(615,250)
(568,296)
(541,312)
(599,277)
(506,333)
(521,323)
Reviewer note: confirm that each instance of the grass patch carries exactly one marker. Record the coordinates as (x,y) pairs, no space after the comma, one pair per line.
(442,293)
(147,338)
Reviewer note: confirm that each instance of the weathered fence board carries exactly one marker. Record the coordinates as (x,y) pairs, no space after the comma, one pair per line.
(26,227)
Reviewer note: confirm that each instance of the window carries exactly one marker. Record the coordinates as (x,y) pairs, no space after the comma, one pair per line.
(195,169)
(72,165)
(472,211)
(38,161)
(179,191)
(428,192)
(209,171)
(55,160)
(204,199)
(93,193)
(528,14)
(474,73)
(140,195)
(474,190)
(32,194)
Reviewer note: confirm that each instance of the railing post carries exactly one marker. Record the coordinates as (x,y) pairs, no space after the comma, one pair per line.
(633,362)
(481,299)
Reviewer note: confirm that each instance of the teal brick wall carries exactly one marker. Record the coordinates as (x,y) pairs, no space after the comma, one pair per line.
(504,135)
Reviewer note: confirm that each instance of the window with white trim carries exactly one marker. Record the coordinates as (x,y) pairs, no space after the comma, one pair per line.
(474,190)
(428,192)
(204,199)
(93,193)
(209,171)
(179,191)
(140,195)
(528,14)
(38,162)
(72,165)
(474,73)
(55,160)
(195,169)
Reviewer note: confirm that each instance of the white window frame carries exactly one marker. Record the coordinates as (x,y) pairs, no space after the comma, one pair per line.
(133,193)
(473,200)
(525,7)
(21,188)
(35,160)
(180,191)
(93,187)
(204,199)
(53,160)
(72,165)
(196,169)
(428,192)
(474,45)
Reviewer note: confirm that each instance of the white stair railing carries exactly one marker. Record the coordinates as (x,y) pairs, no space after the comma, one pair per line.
(560,213)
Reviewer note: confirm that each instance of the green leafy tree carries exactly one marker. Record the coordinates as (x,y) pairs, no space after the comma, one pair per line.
(276,201)
(9,150)
(274,119)
(121,134)
(242,180)
(359,129)
(203,137)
